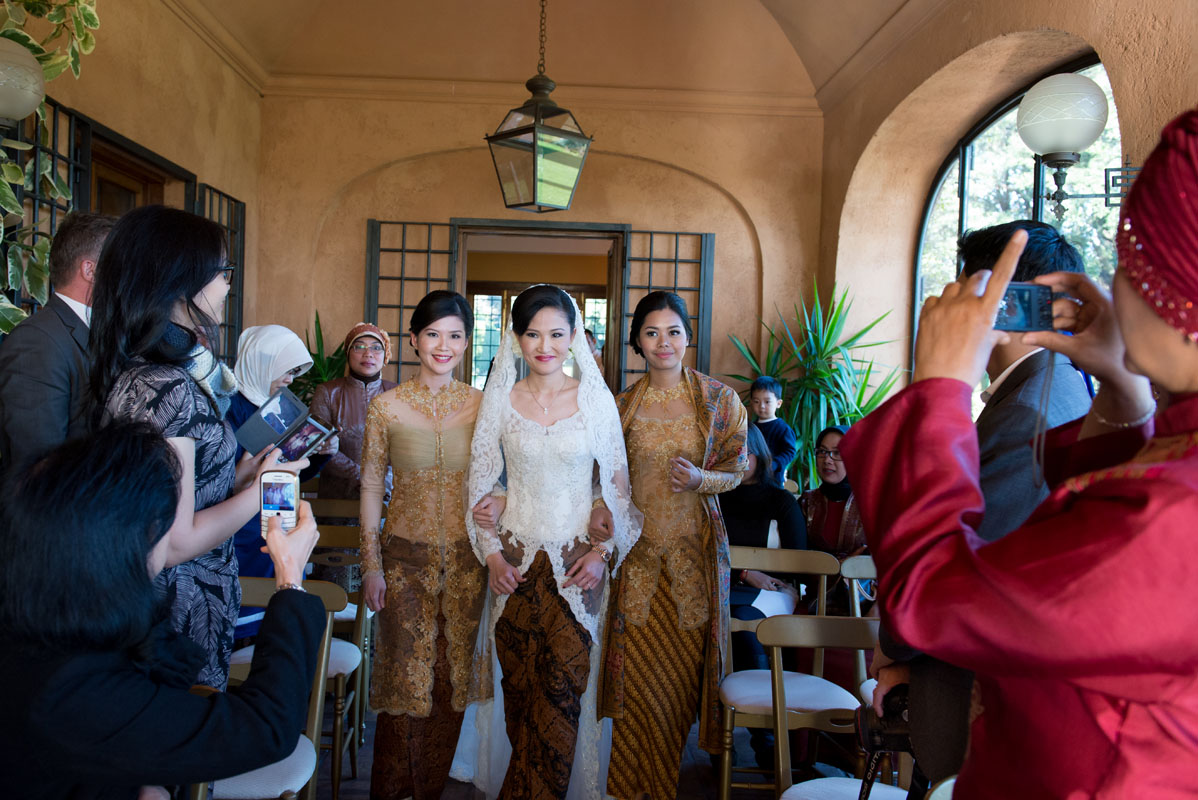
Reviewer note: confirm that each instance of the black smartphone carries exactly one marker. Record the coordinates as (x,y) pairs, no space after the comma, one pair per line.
(1025,307)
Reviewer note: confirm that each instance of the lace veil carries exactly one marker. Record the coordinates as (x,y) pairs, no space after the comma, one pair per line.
(604,436)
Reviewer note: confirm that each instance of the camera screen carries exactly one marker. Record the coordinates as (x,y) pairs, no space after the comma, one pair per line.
(278,496)
(1015,311)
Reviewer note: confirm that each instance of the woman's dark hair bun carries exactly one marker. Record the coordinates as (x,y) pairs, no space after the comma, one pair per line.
(439,304)
(533,299)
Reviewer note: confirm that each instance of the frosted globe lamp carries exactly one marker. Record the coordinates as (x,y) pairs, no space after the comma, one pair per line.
(22,85)
(1061,116)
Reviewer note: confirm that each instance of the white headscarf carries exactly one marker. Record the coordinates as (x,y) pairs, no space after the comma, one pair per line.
(604,436)
(264,354)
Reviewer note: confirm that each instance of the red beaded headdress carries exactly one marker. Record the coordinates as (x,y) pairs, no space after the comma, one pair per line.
(1158,227)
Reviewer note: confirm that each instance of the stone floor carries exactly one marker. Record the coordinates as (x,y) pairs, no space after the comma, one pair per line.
(697,780)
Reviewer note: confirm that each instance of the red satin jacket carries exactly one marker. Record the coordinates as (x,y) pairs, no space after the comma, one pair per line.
(1082,625)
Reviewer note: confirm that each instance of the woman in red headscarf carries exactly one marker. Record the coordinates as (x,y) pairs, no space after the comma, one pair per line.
(1086,663)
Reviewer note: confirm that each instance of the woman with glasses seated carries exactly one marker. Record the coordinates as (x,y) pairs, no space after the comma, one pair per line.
(269,358)
(833,522)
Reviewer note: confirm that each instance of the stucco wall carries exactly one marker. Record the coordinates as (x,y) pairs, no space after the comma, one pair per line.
(751,180)
(886,137)
(153,80)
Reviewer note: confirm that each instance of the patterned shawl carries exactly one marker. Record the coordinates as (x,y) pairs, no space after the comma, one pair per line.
(721,413)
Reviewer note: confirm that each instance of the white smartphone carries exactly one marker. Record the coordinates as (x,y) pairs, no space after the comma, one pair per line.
(278,495)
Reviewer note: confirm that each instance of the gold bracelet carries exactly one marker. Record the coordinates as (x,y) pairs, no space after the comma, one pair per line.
(603,552)
(1135,423)
(290,586)
(598,503)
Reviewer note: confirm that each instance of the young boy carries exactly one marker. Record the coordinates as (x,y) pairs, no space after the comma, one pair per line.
(765,398)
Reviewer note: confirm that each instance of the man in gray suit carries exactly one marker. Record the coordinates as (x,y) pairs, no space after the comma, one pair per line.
(43,362)
(1031,390)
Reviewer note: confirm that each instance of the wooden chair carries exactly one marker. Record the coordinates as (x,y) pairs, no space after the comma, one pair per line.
(746,694)
(294,774)
(791,709)
(792,486)
(855,570)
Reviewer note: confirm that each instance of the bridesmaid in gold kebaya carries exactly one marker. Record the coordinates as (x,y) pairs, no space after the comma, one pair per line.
(421,574)
(685,434)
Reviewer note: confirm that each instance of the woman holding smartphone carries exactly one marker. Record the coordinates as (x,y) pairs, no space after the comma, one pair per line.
(160,290)
(419,573)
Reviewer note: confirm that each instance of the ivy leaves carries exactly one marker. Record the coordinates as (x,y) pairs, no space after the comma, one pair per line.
(29,166)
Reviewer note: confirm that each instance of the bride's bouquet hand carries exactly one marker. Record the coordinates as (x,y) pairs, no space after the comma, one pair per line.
(504,578)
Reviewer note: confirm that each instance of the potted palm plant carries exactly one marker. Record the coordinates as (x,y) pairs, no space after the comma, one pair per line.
(824,380)
(325,367)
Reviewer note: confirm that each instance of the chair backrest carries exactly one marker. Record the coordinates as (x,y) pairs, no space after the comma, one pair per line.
(790,562)
(328,508)
(791,486)
(257,592)
(814,633)
(855,570)
(340,536)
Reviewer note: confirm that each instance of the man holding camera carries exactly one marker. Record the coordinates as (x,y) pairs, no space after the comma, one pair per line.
(1031,390)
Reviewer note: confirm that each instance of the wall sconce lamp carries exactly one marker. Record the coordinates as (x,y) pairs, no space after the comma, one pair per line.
(1058,119)
(539,148)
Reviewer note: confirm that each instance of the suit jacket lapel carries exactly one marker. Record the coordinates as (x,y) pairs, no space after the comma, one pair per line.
(79,331)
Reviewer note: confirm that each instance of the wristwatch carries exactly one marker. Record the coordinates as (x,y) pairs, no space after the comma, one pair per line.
(603,552)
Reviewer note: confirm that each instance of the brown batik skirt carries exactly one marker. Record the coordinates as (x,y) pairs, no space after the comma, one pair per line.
(545,656)
(663,673)
(413,755)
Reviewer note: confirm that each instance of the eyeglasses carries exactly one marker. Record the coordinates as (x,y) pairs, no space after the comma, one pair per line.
(362,348)
(832,454)
(295,372)
(227,272)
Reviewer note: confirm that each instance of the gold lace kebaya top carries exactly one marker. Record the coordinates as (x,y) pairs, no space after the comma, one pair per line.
(665,426)
(423,553)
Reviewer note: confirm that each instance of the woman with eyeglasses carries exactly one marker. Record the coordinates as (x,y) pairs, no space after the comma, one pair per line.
(833,522)
(160,290)
(343,402)
(269,357)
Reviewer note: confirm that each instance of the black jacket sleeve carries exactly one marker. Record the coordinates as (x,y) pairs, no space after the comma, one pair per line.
(113,725)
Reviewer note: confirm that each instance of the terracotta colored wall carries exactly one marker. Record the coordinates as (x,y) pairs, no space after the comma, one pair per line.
(886,137)
(153,80)
(753,181)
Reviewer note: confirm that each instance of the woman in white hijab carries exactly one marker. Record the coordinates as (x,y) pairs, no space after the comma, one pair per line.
(560,441)
(269,357)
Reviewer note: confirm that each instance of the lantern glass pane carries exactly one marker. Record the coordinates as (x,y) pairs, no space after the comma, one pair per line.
(514,165)
(559,162)
(516,118)
(561,118)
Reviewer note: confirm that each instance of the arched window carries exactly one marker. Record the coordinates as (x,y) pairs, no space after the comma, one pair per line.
(991,177)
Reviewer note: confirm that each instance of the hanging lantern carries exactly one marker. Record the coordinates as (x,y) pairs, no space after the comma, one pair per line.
(539,148)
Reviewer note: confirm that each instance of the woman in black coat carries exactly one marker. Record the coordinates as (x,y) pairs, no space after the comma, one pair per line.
(98,682)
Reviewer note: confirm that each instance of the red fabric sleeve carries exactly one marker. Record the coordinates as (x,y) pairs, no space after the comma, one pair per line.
(1087,590)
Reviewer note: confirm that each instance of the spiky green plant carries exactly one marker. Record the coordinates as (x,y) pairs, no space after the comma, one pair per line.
(324,367)
(823,380)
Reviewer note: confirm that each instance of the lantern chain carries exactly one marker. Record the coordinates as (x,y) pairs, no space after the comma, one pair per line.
(541,63)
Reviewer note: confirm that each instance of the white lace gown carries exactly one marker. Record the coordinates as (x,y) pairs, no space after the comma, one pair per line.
(550,487)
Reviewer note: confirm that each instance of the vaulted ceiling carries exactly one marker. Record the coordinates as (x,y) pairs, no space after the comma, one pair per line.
(788,47)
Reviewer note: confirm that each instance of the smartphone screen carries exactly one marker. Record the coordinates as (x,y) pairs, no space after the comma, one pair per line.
(279,497)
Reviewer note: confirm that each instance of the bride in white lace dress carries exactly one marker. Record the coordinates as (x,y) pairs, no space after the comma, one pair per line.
(564,454)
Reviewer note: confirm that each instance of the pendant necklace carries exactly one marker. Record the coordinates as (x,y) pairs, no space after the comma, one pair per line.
(537,400)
